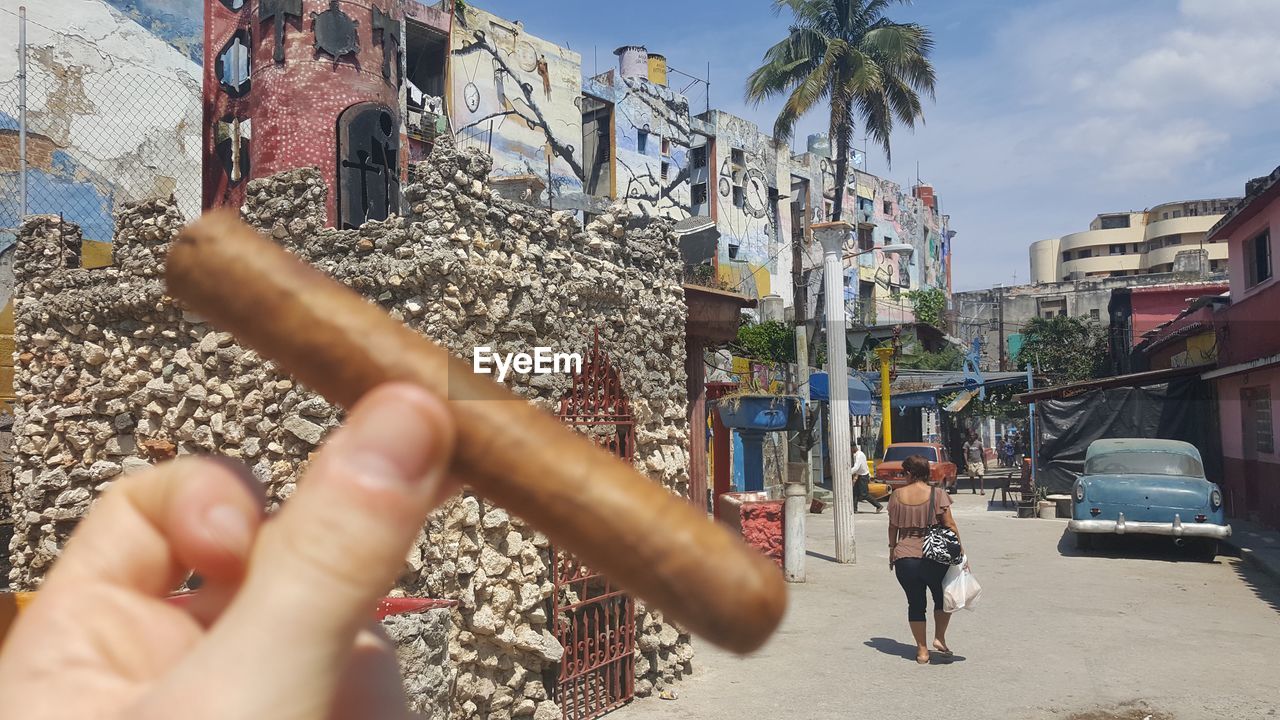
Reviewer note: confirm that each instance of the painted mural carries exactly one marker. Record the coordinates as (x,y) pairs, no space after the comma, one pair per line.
(653,142)
(517,97)
(746,196)
(113,112)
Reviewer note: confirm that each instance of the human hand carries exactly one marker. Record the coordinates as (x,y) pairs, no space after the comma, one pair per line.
(282,627)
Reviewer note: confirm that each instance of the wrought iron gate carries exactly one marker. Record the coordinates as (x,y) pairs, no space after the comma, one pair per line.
(594,620)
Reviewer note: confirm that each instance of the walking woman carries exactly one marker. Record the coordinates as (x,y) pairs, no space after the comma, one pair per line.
(912,510)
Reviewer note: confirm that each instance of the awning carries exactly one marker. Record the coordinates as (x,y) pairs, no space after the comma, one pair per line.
(859,393)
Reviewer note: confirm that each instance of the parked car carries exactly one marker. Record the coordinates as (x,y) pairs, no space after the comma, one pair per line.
(1148,487)
(942,470)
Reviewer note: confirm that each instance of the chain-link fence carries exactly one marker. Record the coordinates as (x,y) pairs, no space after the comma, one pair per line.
(108,120)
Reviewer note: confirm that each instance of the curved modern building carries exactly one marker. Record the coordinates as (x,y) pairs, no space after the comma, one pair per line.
(1133,243)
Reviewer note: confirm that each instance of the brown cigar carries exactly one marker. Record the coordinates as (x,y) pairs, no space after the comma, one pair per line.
(584,499)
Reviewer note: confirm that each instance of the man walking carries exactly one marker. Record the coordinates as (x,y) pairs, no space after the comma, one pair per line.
(975,457)
(862,481)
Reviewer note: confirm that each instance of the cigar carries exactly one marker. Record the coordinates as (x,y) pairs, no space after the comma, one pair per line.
(586,500)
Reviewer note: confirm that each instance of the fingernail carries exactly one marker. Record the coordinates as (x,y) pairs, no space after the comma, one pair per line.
(229,528)
(390,441)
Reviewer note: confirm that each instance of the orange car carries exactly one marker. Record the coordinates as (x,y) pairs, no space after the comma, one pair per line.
(943,471)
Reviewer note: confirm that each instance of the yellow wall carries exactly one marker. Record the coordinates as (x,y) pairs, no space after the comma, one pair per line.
(92,255)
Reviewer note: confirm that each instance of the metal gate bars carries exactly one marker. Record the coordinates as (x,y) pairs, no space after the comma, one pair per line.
(594,620)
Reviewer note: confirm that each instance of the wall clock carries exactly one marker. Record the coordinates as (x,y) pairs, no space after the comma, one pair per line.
(471,96)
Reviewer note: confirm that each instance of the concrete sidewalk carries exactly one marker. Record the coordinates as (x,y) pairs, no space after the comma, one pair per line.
(1134,631)
(1256,545)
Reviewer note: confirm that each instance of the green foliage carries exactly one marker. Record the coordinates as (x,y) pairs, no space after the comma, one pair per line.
(846,57)
(1065,349)
(768,342)
(928,305)
(949,358)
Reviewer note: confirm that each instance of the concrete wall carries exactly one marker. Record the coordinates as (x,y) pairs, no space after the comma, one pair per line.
(1252,478)
(516,96)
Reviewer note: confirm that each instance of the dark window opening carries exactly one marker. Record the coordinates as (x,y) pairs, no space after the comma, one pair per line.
(738,157)
(666,170)
(642,141)
(234,4)
(698,157)
(888,207)
(597,146)
(699,194)
(666,146)
(1117,249)
(425,51)
(739,196)
(1114,222)
(866,239)
(1258,258)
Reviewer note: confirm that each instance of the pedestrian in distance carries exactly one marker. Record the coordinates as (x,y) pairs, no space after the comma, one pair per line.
(975,457)
(862,481)
(913,509)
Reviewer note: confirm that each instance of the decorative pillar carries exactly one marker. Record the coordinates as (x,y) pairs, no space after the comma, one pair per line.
(833,237)
(696,390)
(885,354)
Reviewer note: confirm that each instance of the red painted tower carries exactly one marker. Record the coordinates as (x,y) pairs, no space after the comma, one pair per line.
(305,83)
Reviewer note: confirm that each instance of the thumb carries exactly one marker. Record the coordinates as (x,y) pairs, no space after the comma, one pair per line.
(318,567)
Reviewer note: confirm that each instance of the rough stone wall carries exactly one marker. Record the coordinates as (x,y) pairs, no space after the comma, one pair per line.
(111,376)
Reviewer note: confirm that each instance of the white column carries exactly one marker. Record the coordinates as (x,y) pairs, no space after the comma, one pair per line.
(833,237)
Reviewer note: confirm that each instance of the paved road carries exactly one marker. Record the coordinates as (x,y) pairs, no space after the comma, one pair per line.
(1129,632)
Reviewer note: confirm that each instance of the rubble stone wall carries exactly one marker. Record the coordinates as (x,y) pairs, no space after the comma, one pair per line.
(112,376)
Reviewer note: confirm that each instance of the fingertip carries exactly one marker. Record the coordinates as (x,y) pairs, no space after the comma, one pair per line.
(217,513)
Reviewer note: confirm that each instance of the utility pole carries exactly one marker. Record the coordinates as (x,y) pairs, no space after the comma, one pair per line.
(799,477)
(1000,304)
(22,113)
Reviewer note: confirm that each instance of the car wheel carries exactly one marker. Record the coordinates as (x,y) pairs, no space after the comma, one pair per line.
(1084,541)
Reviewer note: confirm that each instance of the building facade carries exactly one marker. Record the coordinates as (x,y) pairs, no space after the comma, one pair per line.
(1133,243)
(1248,336)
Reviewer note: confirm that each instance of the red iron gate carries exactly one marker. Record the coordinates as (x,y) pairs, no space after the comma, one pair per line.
(594,619)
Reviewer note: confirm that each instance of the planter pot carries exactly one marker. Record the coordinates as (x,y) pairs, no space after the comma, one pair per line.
(1047,510)
(752,416)
(763,413)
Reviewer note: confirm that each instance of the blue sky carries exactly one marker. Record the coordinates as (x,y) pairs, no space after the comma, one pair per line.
(1048,111)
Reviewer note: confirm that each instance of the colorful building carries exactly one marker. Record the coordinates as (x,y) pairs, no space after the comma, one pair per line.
(1248,334)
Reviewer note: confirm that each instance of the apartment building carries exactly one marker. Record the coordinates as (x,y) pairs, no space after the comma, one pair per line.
(1134,243)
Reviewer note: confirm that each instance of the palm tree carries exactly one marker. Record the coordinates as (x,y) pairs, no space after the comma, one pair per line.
(848,53)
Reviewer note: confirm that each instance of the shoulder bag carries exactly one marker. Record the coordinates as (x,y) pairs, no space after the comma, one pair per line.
(940,544)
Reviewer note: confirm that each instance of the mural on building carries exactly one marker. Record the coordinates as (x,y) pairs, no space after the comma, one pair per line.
(746,192)
(113,116)
(652,141)
(518,98)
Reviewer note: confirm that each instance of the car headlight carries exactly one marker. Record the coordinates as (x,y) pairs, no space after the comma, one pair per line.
(1215,499)
(1079,492)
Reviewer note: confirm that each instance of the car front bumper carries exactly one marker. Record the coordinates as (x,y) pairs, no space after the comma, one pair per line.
(1177,528)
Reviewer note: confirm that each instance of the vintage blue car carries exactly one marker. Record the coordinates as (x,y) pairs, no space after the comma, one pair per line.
(1152,487)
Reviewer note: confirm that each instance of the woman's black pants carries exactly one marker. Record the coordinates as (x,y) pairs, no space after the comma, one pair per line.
(916,575)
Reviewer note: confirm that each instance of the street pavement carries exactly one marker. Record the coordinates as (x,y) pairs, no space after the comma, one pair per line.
(1134,631)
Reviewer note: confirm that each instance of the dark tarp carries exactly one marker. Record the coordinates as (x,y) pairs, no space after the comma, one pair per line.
(1185,409)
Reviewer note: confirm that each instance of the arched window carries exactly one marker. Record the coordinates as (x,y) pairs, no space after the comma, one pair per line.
(368,164)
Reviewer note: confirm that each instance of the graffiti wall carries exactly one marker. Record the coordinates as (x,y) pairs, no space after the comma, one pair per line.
(652,144)
(518,98)
(113,113)
(746,200)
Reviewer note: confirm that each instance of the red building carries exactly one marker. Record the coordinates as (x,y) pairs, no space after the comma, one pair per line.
(308,83)
(1248,374)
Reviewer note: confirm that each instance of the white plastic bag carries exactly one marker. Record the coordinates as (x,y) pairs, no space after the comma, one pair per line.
(960,590)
